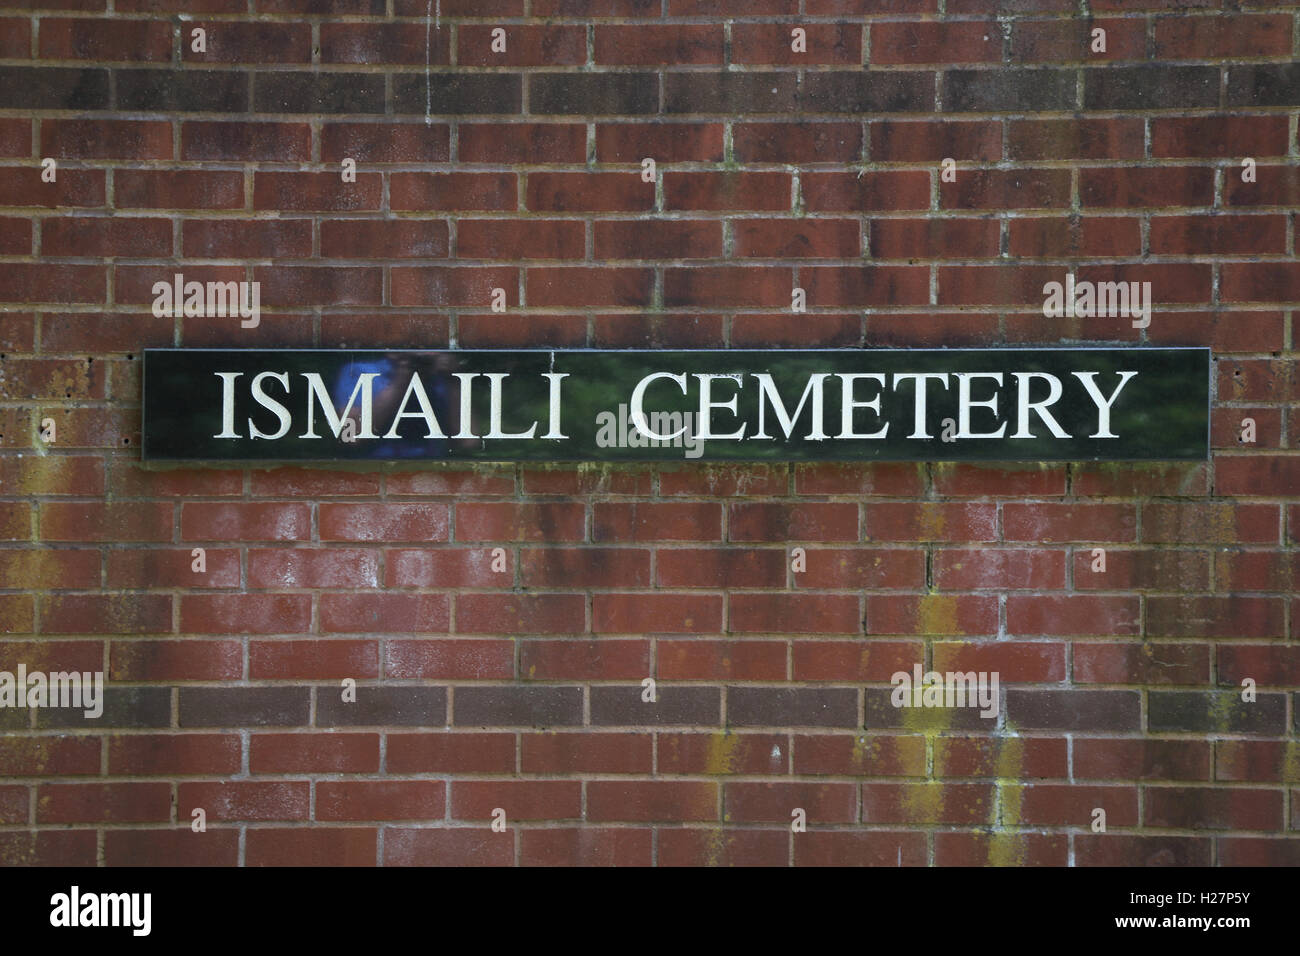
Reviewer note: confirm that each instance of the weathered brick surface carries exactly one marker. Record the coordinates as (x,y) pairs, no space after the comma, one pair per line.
(520,689)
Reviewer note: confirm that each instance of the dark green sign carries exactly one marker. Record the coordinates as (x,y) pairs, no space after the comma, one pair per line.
(591,405)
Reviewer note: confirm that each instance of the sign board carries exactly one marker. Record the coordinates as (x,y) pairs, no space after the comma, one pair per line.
(1013,404)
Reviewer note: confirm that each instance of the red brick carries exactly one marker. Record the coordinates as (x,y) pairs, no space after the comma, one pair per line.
(795,613)
(653,45)
(652,801)
(245,800)
(720,660)
(585,660)
(761,521)
(1042,522)
(934,42)
(797,239)
(585,846)
(1198,37)
(314,753)
(877,190)
(99,39)
(447,753)
(187,659)
(317,846)
(596,753)
(387,143)
(771,43)
(312,660)
(378,612)
(453,191)
(1072,614)
(106,139)
(727,191)
(383,522)
(837,661)
(520,613)
(458,846)
(103,803)
(522,143)
(1112,138)
(929,521)
(866,568)
(449,660)
(1091,237)
(245,613)
(265,42)
(589,192)
(639,613)
(548,45)
(211,521)
(1141,663)
(801,143)
(179,189)
(663,142)
(666,239)
(170,754)
(1023,757)
(360,800)
(371,43)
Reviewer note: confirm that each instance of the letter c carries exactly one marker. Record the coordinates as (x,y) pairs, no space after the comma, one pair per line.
(636,414)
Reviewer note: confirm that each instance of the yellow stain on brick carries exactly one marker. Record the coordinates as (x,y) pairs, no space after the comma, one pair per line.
(937,614)
(930,721)
(924,802)
(866,751)
(1291,761)
(720,759)
(15,617)
(121,615)
(74,379)
(933,522)
(38,473)
(1222,523)
(1222,706)
(1005,849)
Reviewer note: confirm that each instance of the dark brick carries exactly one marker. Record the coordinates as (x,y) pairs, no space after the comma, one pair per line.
(215,91)
(448,94)
(57,88)
(123,707)
(593,94)
(518,706)
(1264,84)
(730,93)
(1074,710)
(623,706)
(1216,712)
(301,92)
(245,706)
(1004,90)
(874,91)
(380,705)
(1150,87)
(879,713)
(792,707)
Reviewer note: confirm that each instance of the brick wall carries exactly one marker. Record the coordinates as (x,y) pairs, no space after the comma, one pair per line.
(521,169)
